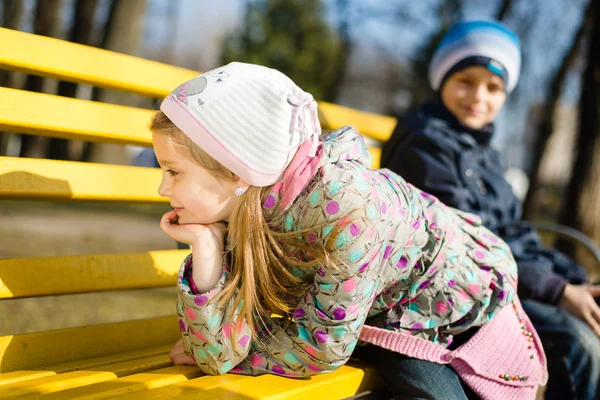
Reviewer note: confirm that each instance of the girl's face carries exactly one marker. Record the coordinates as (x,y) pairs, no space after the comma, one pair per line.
(196,195)
(474,95)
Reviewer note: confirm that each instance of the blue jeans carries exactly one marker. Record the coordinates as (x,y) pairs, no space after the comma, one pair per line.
(410,378)
(572,349)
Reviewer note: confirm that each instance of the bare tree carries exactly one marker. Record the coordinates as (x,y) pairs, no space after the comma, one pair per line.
(549,111)
(124,35)
(504,9)
(581,210)
(81,32)
(343,55)
(12,15)
(46,23)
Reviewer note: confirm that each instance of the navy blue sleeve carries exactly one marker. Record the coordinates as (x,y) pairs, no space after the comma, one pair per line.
(431,163)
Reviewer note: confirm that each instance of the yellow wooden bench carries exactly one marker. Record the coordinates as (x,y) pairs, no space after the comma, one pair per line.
(128,358)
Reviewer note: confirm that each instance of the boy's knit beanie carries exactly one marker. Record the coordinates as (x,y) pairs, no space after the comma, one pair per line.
(477,43)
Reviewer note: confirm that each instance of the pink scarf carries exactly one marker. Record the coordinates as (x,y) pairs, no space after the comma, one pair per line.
(299,173)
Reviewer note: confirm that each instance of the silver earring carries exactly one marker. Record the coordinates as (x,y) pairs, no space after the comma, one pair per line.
(239,191)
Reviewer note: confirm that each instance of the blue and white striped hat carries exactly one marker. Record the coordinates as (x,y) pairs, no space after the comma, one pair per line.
(485,43)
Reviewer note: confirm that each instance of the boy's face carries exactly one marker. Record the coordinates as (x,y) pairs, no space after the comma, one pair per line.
(474,95)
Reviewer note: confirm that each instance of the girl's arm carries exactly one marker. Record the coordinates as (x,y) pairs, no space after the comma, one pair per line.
(327,321)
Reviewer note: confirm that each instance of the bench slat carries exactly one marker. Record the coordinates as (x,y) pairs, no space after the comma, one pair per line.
(375,126)
(62,180)
(344,382)
(67,118)
(70,384)
(193,387)
(121,364)
(60,59)
(27,277)
(38,350)
(50,384)
(20,376)
(129,384)
(55,58)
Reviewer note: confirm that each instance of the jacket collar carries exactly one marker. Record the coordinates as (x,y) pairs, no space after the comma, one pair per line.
(438,110)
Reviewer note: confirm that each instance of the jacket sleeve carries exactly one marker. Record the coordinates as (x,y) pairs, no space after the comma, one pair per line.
(326,322)
(431,164)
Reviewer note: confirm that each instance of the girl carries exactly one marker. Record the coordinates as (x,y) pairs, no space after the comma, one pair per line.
(299,250)
(444,149)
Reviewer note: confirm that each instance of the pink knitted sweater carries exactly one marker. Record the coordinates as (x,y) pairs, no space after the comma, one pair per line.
(503,360)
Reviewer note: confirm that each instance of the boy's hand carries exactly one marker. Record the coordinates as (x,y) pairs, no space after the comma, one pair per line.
(178,356)
(212,235)
(579,301)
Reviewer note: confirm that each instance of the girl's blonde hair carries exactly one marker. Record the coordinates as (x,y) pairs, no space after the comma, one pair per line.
(259,255)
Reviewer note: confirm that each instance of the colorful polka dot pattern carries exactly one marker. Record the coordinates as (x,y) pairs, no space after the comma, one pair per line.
(412,265)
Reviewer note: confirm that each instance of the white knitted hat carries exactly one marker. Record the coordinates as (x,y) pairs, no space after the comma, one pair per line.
(487,43)
(249,118)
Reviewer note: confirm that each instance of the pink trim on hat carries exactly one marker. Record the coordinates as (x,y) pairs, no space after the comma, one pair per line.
(189,125)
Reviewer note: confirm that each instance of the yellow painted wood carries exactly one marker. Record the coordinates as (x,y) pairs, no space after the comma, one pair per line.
(56,116)
(38,350)
(20,376)
(342,383)
(75,384)
(78,274)
(127,385)
(376,126)
(70,61)
(62,180)
(191,387)
(54,58)
(121,364)
(345,382)
(86,120)
(54,383)
(375,157)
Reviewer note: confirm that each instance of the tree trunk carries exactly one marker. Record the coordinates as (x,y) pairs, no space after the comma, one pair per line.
(549,112)
(12,15)
(581,210)
(80,33)
(123,35)
(504,9)
(47,23)
(344,52)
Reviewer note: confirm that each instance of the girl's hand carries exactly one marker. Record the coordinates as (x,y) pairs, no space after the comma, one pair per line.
(212,235)
(579,301)
(178,356)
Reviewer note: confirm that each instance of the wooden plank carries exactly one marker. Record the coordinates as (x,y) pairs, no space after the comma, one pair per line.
(376,126)
(70,382)
(55,58)
(375,157)
(192,387)
(49,115)
(344,382)
(63,117)
(38,350)
(39,276)
(59,59)
(20,376)
(65,180)
(127,385)
(121,364)
(54,383)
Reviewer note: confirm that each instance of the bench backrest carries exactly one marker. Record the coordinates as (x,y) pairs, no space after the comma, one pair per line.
(70,118)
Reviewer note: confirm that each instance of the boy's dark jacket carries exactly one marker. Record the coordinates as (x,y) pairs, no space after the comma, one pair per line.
(431,150)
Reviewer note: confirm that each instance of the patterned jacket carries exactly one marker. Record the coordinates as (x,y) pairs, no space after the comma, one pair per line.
(412,266)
